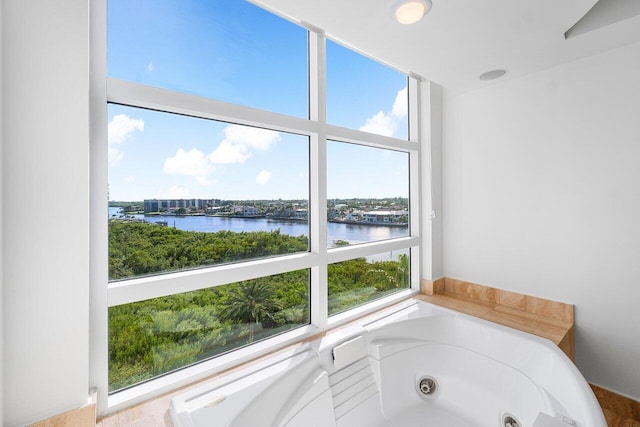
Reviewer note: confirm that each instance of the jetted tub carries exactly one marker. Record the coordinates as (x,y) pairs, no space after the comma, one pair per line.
(415,365)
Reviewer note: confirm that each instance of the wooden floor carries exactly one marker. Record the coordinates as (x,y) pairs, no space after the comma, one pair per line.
(620,411)
(616,420)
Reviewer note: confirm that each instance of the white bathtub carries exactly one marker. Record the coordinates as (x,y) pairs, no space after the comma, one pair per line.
(367,375)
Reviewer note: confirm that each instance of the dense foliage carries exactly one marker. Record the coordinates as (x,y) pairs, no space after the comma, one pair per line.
(137,248)
(153,337)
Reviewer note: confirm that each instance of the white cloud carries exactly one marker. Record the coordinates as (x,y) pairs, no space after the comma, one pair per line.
(190,163)
(150,66)
(120,128)
(401,104)
(239,141)
(381,124)
(237,146)
(263,177)
(386,124)
(228,152)
(174,192)
(129,179)
(260,139)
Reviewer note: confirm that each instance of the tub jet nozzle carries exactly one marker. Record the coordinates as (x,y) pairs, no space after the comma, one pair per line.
(427,386)
(510,421)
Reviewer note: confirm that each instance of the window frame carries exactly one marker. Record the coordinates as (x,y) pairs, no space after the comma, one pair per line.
(104,294)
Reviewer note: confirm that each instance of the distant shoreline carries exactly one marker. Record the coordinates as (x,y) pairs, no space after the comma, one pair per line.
(377,224)
(274,219)
(268,217)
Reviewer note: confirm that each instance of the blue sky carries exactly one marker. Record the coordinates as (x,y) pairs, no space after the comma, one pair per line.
(233,51)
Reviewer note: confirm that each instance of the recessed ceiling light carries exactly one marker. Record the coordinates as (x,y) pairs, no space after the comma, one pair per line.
(411,11)
(493,74)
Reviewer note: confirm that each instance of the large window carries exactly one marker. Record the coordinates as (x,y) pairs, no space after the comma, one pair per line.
(253,200)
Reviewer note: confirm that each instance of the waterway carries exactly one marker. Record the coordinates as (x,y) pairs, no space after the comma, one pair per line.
(351,233)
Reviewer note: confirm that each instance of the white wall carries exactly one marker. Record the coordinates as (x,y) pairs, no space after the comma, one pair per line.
(1,227)
(542,196)
(46,179)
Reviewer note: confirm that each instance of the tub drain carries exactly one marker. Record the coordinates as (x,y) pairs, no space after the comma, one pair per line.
(510,421)
(427,386)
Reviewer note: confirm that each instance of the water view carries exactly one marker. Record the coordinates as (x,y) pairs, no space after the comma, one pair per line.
(352,233)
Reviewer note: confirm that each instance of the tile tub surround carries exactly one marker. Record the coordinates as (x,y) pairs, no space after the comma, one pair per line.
(465,354)
(544,308)
(155,412)
(549,319)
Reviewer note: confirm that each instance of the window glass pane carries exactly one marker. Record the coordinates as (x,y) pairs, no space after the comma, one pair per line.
(153,337)
(361,280)
(367,194)
(228,50)
(364,94)
(186,192)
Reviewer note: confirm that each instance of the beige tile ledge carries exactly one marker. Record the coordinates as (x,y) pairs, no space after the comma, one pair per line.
(546,318)
(84,416)
(535,308)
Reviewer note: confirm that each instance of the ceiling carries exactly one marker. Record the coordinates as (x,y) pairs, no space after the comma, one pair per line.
(461,39)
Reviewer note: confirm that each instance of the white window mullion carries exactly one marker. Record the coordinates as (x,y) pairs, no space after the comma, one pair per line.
(414,108)
(145,288)
(338,133)
(372,248)
(318,179)
(415,178)
(99,251)
(154,98)
(416,269)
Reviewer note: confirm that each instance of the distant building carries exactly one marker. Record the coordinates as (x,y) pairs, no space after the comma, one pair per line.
(245,210)
(301,214)
(385,217)
(354,216)
(151,206)
(159,205)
